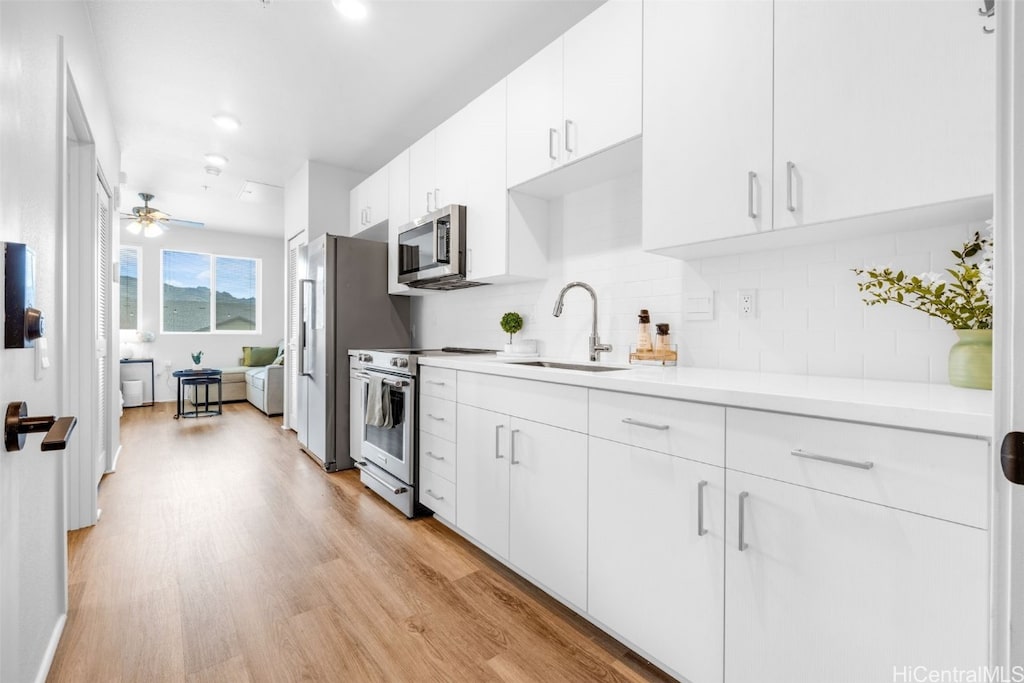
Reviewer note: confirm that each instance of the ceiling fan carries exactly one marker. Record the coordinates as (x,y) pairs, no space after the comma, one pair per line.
(150,221)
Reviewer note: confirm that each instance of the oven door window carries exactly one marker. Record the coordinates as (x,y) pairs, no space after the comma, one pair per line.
(416,249)
(389,441)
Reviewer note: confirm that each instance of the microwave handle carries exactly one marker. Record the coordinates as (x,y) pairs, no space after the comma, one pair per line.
(443,243)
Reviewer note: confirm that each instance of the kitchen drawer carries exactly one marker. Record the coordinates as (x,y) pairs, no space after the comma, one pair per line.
(437,417)
(438,494)
(559,405)
(439,382)
(689,430)
(437,455)
(931,474)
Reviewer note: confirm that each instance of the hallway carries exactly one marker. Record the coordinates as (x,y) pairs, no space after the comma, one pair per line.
(224,554)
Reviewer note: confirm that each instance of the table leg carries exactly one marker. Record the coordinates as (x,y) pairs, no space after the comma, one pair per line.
(178,401)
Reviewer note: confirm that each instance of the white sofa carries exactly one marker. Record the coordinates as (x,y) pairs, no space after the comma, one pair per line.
(264,388)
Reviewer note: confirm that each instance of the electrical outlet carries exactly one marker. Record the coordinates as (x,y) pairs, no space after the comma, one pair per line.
(746,303)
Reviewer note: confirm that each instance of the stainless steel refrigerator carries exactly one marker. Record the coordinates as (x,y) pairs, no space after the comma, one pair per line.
(343,304)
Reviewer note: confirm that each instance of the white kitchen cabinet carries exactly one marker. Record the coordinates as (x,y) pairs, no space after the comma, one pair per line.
(423,188)
(654,577)
(482,497)
(398,216)
(578,95)
(548,507)
(832,588)
(368,202)
(847,122)
(707,147)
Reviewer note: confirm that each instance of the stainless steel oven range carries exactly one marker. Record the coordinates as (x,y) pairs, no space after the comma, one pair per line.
(387,456)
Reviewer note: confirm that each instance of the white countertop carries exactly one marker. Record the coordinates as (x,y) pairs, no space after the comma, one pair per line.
(930,407)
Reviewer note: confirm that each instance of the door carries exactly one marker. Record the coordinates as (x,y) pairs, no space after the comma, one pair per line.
(104,372)
(875,117)
(706,130)
(296,270)
(535,115)
(674,613)
(602,78)
(548,507)
(904,597)
(482,472)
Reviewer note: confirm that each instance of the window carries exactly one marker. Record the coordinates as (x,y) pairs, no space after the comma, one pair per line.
(128,275)
(189,281)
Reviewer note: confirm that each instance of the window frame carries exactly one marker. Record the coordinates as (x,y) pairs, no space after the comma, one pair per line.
(138,287)
(213,293)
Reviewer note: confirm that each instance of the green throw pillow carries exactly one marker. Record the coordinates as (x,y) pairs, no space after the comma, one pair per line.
(257,356)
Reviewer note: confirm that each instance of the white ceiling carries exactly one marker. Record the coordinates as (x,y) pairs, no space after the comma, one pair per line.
(305,82)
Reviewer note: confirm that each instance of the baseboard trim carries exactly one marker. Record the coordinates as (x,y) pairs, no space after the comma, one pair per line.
(51,649)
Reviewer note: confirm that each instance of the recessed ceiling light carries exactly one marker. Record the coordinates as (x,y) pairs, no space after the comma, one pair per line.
(212,170)
(351,9)
(227,121)
(215,159)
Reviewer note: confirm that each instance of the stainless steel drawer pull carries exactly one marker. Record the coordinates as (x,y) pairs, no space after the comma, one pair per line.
(552,132)
(742,544)
(435,417)
(807,455)
(430,454)
(497,442)
(751,177)
(701,531)
(512,446)
(434,495)
(568,123)
(648,425)
(435,382)
(790,167)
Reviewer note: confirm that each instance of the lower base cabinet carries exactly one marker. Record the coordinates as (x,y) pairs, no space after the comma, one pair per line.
(655,578)
(828,588)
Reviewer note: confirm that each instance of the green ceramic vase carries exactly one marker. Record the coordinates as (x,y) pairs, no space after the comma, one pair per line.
(970,359)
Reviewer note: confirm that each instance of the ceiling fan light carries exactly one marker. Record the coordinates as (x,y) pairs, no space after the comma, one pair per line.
(227,121)
(215,159)
(135,227)
(153,230)
(351,9)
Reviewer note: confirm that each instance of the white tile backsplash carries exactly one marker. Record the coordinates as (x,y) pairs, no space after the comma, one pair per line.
(810,316)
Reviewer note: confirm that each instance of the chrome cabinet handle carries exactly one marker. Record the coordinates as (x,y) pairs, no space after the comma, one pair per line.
(790,167)
(428,202)
(512,446)
(807,455)
(648,425)
(751,177)
(430,454)
(497,442)
(701,485)
(369,215)
(434,495)
(435,382)
(552,132)
(469,260)
(435,417)
(437,201)
(743,497)
(568,123)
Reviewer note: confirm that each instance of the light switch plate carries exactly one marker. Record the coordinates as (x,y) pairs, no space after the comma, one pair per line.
(700,307)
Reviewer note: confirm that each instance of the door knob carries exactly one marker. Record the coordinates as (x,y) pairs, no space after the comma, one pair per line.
(17,425)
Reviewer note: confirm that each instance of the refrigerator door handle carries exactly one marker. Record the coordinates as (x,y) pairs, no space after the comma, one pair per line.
(306,289)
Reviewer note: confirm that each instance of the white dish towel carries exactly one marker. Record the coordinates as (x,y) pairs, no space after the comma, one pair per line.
(378,403)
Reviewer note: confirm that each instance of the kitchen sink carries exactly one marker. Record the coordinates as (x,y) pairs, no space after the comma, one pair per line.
(586,367)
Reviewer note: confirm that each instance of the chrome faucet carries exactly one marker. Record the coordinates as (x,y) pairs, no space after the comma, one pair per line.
(596,347)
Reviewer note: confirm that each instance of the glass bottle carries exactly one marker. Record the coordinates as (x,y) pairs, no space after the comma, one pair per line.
(663,341)
(643,335)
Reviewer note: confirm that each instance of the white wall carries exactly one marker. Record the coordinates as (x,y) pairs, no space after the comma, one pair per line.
(811,320)
(32,524)
(316,199)
(219,350)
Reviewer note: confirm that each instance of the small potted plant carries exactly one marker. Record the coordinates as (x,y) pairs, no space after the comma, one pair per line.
(511,323)
(964,303)
(197,359)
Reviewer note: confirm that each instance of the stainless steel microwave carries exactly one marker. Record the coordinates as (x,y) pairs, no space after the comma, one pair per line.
(432,250)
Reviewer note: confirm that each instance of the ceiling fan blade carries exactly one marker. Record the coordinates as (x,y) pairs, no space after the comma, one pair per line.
(182,223)
(156,214)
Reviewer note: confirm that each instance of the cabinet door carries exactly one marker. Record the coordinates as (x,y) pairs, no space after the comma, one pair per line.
(356,215)
(548,507)
(398,215)
(453,145)
(375,197)
(602,79)
(835,589)
(654,579)
(535,115)
(422,175)
(876,117)
(486,197)
(706,129)
(482,470)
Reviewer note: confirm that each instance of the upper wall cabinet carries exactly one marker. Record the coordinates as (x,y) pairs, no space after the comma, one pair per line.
(579,95)
(816,112)
(368,203)
(398,216)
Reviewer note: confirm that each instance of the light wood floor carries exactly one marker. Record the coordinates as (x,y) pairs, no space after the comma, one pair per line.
(225,554)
